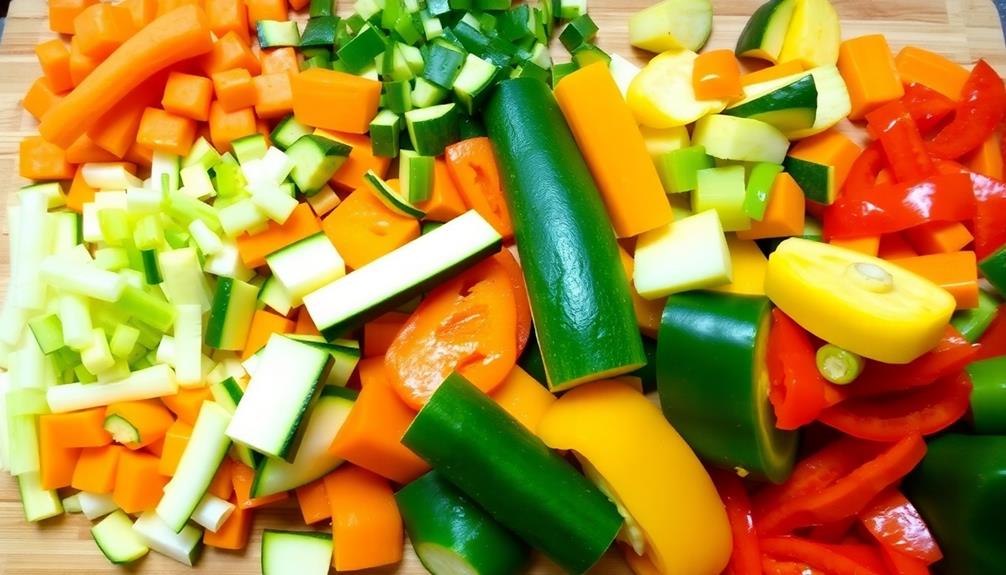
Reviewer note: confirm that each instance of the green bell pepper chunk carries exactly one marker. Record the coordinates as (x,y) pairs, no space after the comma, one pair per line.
(972,323)
(988,398)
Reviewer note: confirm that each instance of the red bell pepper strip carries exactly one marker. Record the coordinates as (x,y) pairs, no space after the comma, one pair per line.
(892,208)
(927,106)
(797,389)
(925,411)
(981,109)
(990,208)
(848,495)
(864,171)
(746,556)
(993,341)
(833,532)
(868,556)
(894,128)
(772,566)
(895,522)
(949,356)
(815,555)
(901,564)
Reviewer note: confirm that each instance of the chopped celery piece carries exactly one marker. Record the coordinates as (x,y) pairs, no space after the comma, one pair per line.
(206,239)
(185,209)
(113,176)
(276,205)
(38,503)
(148,233)
(679,168)
(188,345)
(32,246)
(972,323)
(196,183)
(26,402)
(118,372)
(111,259)
(75,318)
(837,365)
(156,381)
(722,189)
(123,340)
(97,357)
(51,190)
(164,165)
(241,217)
(48,332)
(230,180)
(202,154)
(184,281)
(22,433)
(83,279)
(759,189)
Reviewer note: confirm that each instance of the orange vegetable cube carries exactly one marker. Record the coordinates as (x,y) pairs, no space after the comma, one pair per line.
(40,98)
(956,272)
(225,127)
(717,76)
(96,469)
(280,60)
(234,89)
(187,402)
(116,130)
(40,160)
(774,72)
(81,65)
(222,485)
(829,148)
(84,428)
(784,215)
(313,502)
(305,326)
(142,11)
(273,95)
(361,159)
(80,193)
(335,100)
(56,462)
(165,6)
(868,69)
(228,53)
(445,202)
(166,132)
(62,13)
(54,58)
(364,229)
(894,247)
(102,28)
(869,245)
(138,485)
(188,96)
(366,525)
(987,160)
(266,10)
(917,65)
(939,237)
(175,440)
(228,16)
(264,324)
(233,534)
(85,151)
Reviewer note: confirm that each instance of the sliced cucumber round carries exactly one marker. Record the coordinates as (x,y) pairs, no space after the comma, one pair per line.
(121,429)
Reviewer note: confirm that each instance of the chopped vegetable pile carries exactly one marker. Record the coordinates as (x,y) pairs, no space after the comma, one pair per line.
(402,266)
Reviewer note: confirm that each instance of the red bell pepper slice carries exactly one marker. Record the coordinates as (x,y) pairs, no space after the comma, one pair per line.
(849,494)
(895,522)
(993,341)
(864,171)
(816,555)
(922,411)
(981,109)
(927,106)
(894,128)
(772,566)
(797,390)
(892,208)
(949,356)
(901,564)
(746,556)
(990,208)
(833,532)
(868,556)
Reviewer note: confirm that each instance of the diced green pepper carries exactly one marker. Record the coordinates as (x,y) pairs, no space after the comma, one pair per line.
(988,398)
(679,168)
(759,189)
(722,189)
(994,270)
(578,32)
(972,323)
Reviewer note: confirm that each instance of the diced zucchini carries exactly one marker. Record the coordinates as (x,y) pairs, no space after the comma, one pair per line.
(789,108)
(247,148)
(560,71)
(231,314)
(390,197)
(182,545)
(765,31)
(286,132)
(433,129)
(740,139)
(304,553)
(426,94)
(385,131)
(588,54)
(322,8)
(443,64)
(722,190)
(672,24)
(579,31)
(273,33)
(306,265)
(117,540)
(360,52)
(315,161)
(473,82)
(759,188)
(416,173)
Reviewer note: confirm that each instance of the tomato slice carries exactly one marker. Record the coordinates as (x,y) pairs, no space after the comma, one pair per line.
(468,325)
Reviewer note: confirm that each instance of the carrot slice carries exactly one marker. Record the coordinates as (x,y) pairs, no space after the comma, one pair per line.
(186,403)
(40,98)
(305,326)
(867,66)
(313,502)
(54,58)
(366,526)
(85,151)
(40,160)
(894,247)
(273,95)
(523,397)
(165,132)
(263,325)
(956,272)
(102,28)
(939,237)
(509,262)
(361,160)
(335,100)
(473,168)
(917,65)
(445,202)
(234,89)
(96,469)
(468,326)
(869,245)
(379,333)
(222,485)
(280,61)
(83,428)
(266,10)
(784,215)
(188,96)
(615,151)
(371,436)
(299,225)
(363,229)
(63,12)
(176,36)
(225,127)
(233,534)
(81,65)
(138,485)
(228,16)
(143,12)
(149,418)
(55,462)
(717,76)
(175,440)
(772,73)
(242,477)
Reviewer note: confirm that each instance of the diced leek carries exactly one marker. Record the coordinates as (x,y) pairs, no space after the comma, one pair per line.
(185,209)
(114,225)
(156,381)
(96,505)
(188,345)
(33,246)
(212,512)
(837,365)
(228,263)
(51,190)
(241,217)
(83,279)
(274,203)
(206,239)
(184,281)
(273,168)
(118,372)
(97,357)
(75,315)
(202,154)
(111,259)
(196,182)
(113,176)
(38,503)
(162,165)
(22,433)
(124,340)
(65,229)
(29,369)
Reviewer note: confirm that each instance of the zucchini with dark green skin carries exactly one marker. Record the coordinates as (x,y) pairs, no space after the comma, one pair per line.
(714,384)
(452,535)
(512,474)
(579,294)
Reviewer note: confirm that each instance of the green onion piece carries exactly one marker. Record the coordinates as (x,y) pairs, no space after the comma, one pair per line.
(837,365)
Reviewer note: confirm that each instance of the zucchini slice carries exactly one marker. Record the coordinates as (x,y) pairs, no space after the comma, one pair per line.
(117,540)
(390,197)
(789,108)
(300,552)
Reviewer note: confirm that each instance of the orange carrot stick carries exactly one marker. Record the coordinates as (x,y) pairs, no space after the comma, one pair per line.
(96,469)
(81,65)
(179,35)
(894,247)
(366,526)
(613,147)
(175,441)
(299,225)
(263,325)
(784,215)
(472,165)
(56,462)
(869,245)
(363,229)
(143,11)
(335,100)
(987,160)
(116,132)
(313,501)
(85,151)
(138,485)
(150,419)
(772,73)
(371,436)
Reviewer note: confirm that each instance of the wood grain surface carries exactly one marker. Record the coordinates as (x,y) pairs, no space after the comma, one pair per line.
(963,30)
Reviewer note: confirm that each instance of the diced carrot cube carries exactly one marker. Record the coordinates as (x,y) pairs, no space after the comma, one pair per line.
(234,89)
(96,469)
(335,100)
(40,98)
(280,60)
(175,441)
(188,96)
(784,215)
(142,11)
(40,160)
(187,402)
(63,12)
(266,10)
(54,58)
(81,65)
(868,69)
(228,53)
(273,95)
(166,132)
(138,485)
(225,127)
(228,16)
(102,28)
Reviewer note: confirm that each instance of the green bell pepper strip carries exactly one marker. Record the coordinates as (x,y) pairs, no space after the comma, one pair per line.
(960,490)
(451,534)
(714,384)
(513,475)
(972,323)
(994,270)
(988,396)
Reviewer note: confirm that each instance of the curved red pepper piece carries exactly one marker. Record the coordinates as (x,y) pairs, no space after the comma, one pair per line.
(900,564)
(927,106)
(816,555)
(895,522)
(895,207)
(864,171)
(895,129)
(993,341)
(797,390)
(981,109)
(746,556)
(990,208)
(923,411)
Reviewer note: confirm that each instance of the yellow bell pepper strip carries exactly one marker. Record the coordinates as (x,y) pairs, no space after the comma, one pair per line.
(866,305)
(674,516)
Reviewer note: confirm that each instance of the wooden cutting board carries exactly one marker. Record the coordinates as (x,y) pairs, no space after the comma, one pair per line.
(963,30)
